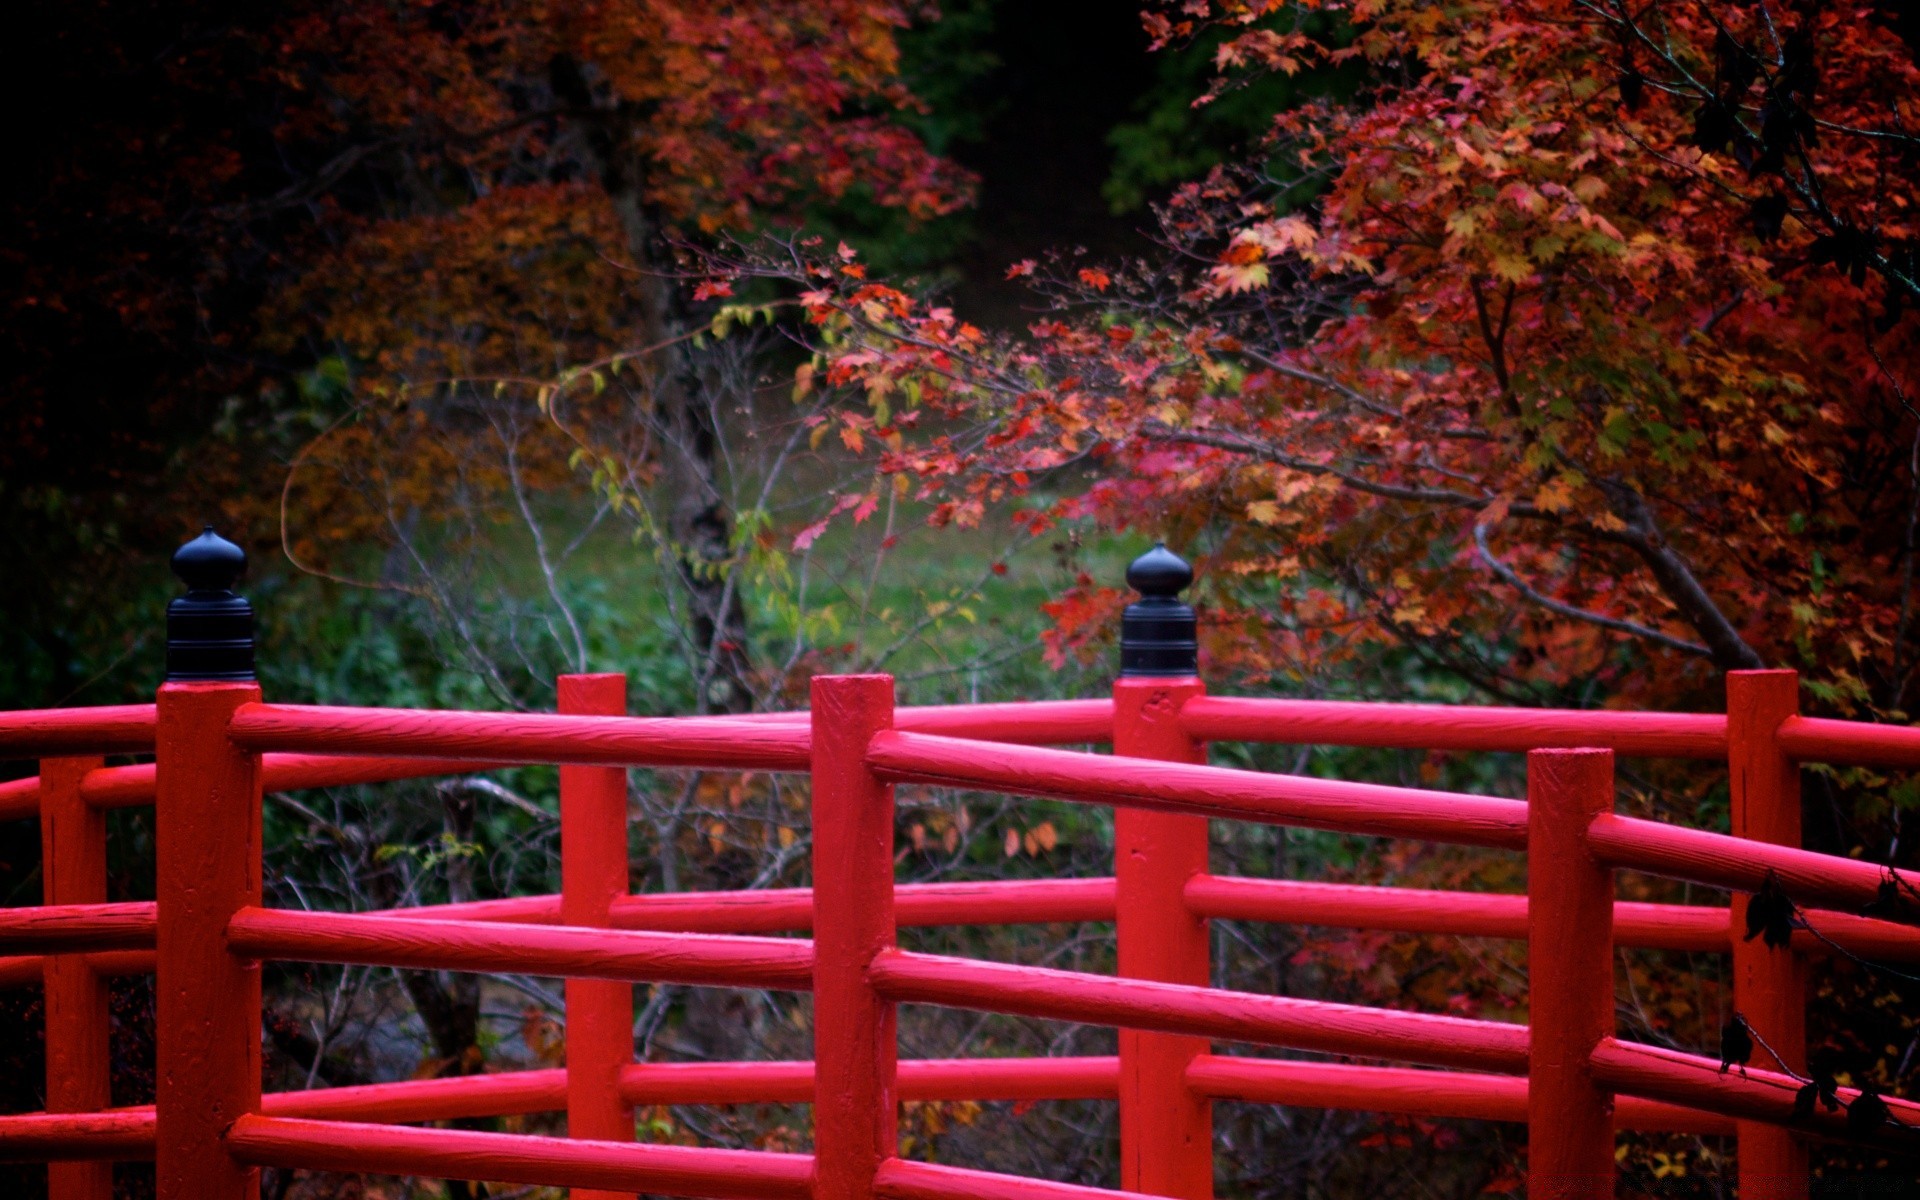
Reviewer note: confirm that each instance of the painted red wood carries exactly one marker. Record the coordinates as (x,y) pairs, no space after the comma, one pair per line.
(1332,804)
(1696,927)
(519,1158)
(713,742)
(26,970)
(1166,1130)
(1569,976)
(122,1136)
(855,1112)
(554,950)
(1455,727)
(1769,986)
(207,867)
(1849,743)
(903,1179)
(1094,1078)
(593,871)
(1467,914)
(790,910)
(130,787)
(73,870)
(1717,860)
(20,799)
(510,1094)
(105,729)
(1024,722)
(1412,1092)
(1755,1094)
(71,928)
(1207,1012)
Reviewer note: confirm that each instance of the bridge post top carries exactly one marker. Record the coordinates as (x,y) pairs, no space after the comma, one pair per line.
(1159,632)
(210,629)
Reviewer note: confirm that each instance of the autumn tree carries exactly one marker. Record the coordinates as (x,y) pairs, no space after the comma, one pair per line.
(1568,358)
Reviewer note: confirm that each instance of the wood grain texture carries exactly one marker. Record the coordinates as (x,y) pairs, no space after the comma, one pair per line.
(1330,804)
(1569,976)
(207,867)
(1206,1012)
(132,786)
(790,910)
(1753,1094)
(1700,928)
(1717,860)
(855,1043)
(1850,743)
(72,928)
(73,870)
(125,1135)
(29,970)
(1769,985)
(504,948)
(593,873)
(1092,1078)
(903,1179)
(103,729)
(712,742)
(518,1158)
(20,799)
(1166,1131)
(1454,726)
(1408,1091)
(1025,722)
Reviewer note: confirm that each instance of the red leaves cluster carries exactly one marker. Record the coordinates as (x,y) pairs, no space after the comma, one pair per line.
(1524,387)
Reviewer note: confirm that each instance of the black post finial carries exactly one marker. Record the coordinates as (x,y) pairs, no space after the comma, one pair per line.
(210,629)
(1158,632)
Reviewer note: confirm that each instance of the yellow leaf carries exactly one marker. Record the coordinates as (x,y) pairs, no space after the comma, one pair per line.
(1264,512)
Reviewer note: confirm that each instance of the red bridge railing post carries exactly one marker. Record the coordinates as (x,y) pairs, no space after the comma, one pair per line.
(1769,985)
(1166,1129)
(73,870)
(1569,976)
(855,1039)
(207,867)
(593,873)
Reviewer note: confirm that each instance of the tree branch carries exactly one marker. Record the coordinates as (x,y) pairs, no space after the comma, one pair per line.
(1512,579)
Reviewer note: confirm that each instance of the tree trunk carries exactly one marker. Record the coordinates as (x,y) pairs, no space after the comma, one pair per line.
(700,524)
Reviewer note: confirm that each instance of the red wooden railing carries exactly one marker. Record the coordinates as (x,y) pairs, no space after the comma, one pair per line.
(217,746)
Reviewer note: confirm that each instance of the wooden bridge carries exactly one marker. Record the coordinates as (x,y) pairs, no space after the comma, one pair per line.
(216,746)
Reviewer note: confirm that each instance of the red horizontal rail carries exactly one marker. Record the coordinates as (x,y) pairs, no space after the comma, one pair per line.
(1209,1012)
(1011,902)
(711,742)
(30,969)
(105,729)
(904,1179)
(1332,804)
(1849,743)
(1717,860)
(128,1133)
(1754,1094)
(127,787)
(1408,1091)
(70,928)
(1095,1078)
(1023,722)
(552,950)
(20,799)
(790,910)
(518,1158)
(124,1135)
(1453,727)
(1464,914)
(1700,928)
